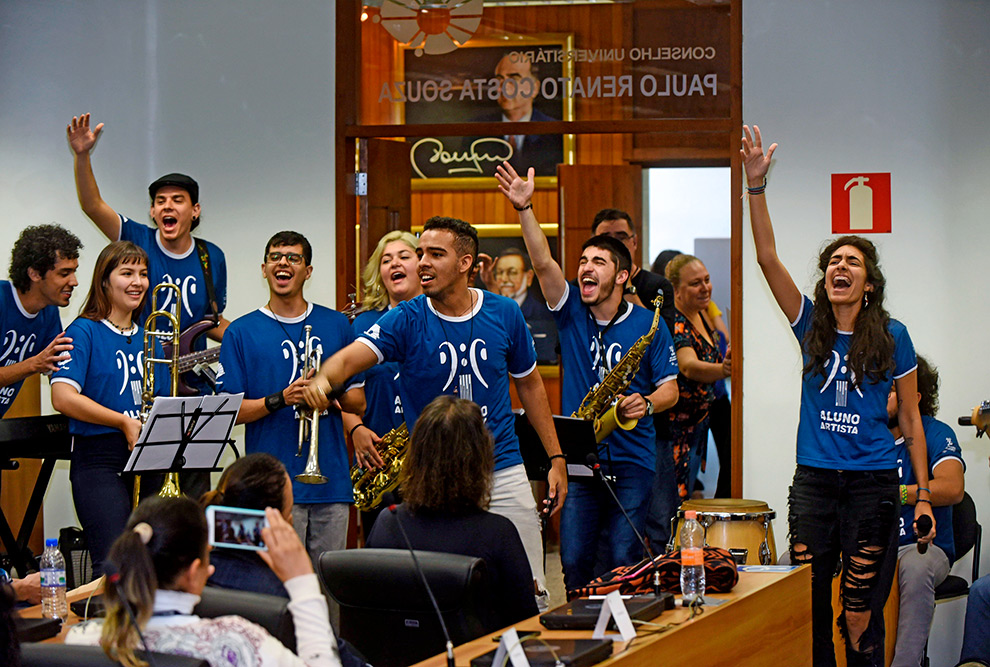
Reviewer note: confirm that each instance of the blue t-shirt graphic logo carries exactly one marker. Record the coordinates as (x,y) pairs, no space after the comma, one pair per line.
(17,348)
(468,354)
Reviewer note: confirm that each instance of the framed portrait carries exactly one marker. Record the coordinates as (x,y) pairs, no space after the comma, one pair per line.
(486,81)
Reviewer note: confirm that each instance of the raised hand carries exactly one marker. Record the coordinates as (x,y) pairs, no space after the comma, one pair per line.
(48,359)
(754,161)
(486,268)
(81,138)
(286,555)
(519,192)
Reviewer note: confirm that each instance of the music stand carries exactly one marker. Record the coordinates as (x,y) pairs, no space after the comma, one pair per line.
(577,440)
(185,433)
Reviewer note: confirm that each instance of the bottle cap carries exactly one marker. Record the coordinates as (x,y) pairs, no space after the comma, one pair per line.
(51,542)
(690,514)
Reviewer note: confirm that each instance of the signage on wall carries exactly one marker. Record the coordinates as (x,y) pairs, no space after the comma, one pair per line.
(861,203)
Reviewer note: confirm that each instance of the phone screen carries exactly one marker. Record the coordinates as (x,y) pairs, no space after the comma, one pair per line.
(236,527)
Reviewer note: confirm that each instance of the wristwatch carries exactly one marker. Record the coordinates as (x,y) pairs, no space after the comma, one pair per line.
(649,408)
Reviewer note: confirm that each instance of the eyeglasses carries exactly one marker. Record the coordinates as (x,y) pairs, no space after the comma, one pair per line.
(619,236)
(293,258)
(507,273)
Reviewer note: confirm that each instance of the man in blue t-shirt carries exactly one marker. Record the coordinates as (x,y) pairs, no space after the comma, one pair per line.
(597,329)
(43,267)
(174,256)
(263,356)
(918,574)
(462,341)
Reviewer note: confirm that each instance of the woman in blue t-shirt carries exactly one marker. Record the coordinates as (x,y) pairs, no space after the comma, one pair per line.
(99,390)
(844,498)
(390,277)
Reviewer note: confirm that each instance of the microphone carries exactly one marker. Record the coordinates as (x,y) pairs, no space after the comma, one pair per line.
(113,576)
(591,460)
(924,524)
(443,626)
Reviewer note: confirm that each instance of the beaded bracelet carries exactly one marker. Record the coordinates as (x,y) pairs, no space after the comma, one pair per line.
(758,190)
(904,495)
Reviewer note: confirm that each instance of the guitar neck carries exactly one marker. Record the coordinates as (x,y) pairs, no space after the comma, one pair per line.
(188,361)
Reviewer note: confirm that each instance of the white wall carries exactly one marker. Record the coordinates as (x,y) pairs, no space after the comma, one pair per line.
(873,85)
(236,93)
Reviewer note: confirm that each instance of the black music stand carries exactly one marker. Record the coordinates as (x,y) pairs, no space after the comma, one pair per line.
(185,433)
(577,440)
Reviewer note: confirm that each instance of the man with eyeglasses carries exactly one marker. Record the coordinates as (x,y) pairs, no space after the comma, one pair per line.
(512,276)
(262,356)
(643,286)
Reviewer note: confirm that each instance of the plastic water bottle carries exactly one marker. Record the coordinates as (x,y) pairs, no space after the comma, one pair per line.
(692,557)
(53,604)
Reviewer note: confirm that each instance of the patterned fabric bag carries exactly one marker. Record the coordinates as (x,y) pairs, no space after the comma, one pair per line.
(720,576)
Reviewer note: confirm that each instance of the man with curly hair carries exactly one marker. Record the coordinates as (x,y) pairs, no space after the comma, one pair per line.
(43,267)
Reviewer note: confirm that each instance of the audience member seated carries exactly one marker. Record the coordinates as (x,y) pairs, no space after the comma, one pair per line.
(446,483)
(10,650)
(255,481)
(918,574)
(163,562)
(976,635)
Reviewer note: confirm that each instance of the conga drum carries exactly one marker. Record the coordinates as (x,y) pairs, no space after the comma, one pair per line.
(742,527)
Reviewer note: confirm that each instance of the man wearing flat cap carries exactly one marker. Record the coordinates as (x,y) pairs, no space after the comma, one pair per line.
(197,267)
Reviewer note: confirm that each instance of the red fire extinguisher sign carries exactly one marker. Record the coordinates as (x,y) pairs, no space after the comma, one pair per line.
(861,203)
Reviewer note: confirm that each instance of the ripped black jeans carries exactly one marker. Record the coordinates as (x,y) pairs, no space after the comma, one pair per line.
(850,514)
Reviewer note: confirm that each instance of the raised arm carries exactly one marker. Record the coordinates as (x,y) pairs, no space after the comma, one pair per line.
(519,192)
(82,140)
(781,284)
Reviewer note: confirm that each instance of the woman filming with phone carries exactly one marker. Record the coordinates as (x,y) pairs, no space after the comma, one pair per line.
(162,562)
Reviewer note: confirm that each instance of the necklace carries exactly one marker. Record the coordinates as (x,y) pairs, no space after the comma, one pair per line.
(446,338)
(122,330)
(300,353)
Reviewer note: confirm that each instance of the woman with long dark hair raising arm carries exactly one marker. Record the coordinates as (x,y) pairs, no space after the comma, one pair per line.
(844,498)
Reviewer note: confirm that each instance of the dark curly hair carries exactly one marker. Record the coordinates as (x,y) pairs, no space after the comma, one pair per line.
(450,460)
(39,248)
(871,350)
(928,387)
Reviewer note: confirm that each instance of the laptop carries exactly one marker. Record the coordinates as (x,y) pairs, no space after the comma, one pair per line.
(552,651)
(582,613)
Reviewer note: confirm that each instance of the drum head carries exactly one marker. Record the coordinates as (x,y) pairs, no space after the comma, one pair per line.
(729,508)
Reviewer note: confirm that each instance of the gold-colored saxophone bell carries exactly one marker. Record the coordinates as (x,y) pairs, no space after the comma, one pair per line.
(370,486)
(599,405)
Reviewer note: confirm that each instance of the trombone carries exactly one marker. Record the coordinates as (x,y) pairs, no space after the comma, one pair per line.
(309,419)
(170,334)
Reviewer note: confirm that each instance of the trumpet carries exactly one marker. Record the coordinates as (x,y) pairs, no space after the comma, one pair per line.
(171,334)
(309,419)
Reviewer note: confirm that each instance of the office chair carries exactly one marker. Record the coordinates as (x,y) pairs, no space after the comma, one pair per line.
(385,611)
(966,534)
(62,655)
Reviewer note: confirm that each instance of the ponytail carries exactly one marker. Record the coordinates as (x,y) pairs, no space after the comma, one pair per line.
(162,539)
(137,583)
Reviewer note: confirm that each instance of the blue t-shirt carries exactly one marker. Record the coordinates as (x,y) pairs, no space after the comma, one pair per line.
(942,446)
(381,385)
(23,335)
(260,356)
(590,349)
(184,270)
(106,366)
(842,427)
(470,356)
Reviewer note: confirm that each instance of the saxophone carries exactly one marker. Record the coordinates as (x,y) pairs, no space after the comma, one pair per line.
(600,403)
(370,486)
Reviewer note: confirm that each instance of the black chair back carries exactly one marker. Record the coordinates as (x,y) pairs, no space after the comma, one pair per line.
(269,611)
(966,531)
(62,655)
(385,611)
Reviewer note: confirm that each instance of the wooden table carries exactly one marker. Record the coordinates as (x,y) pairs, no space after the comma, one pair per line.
(766,620)
(80,593)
